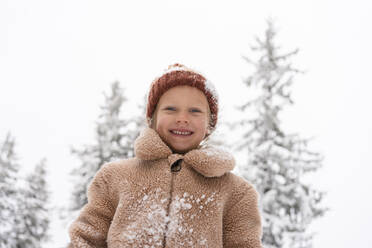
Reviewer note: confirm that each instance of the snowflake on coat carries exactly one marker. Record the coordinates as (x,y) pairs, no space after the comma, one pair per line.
(151,219)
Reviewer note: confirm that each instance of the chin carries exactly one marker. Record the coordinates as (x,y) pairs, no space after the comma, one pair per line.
(180,149)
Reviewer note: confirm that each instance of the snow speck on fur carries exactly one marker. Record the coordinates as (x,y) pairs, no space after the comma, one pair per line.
(150,223)
(220,153)
(154,221)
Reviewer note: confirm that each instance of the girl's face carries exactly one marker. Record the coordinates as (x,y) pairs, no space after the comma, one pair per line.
(181,118)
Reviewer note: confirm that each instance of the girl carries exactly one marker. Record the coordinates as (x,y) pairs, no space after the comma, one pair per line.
(174,192)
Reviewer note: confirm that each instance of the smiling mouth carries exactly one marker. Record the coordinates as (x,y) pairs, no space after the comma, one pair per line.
(181,133)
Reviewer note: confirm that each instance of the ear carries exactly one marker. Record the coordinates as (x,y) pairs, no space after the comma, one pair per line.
(149,122)
(152,121)
(209,130)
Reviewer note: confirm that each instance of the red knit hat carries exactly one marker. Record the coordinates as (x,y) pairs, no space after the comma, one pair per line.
(178,75)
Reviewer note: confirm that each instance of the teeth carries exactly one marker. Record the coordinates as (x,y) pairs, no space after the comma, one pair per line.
(181,133)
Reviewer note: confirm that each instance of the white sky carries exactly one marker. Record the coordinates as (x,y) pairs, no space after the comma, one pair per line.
(57,57)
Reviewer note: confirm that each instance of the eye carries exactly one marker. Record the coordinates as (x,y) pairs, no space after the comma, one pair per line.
(195,110)
(169,108)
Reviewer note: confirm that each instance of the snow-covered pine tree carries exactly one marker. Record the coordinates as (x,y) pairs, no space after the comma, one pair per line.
(138,122)
(114,140)
(32,219)
(8,192)
(277,160)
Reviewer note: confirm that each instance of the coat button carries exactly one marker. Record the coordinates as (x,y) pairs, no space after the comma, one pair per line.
(176,166)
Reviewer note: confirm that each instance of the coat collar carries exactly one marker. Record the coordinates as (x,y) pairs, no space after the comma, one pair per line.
(210,161)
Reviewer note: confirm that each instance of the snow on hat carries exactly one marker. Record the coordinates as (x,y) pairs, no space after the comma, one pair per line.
(179,75)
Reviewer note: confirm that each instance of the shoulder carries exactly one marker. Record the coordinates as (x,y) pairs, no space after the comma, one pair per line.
(112,176)
(117,168)
(115,165)
(238,182)
(239,188)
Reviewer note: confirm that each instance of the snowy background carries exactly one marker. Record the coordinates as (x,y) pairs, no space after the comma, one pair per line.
(57,57)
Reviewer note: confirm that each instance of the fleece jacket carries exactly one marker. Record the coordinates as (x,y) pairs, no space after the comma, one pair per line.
(163,199)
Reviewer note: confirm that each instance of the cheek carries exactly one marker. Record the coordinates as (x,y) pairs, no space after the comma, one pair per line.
(159,122)
(204,124)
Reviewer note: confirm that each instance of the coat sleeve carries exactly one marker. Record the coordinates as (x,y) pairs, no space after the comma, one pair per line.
(90,229)
(242,222)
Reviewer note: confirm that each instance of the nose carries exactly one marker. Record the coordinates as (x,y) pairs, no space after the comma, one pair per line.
(182,118)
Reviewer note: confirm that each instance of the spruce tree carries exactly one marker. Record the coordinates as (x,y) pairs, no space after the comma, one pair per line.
(277,160)
(32,219)
(113,140)
(8,192)
(138,122)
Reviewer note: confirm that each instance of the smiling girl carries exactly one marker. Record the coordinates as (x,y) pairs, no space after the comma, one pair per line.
(174,192)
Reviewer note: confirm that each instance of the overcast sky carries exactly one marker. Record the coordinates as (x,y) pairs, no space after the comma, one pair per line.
(57,57)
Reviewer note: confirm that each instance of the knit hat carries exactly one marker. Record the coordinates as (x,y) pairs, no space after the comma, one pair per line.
(179,75)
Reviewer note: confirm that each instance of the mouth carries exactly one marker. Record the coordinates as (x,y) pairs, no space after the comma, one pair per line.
(181,132)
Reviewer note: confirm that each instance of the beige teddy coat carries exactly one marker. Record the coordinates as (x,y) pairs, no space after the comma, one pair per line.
(153,201)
